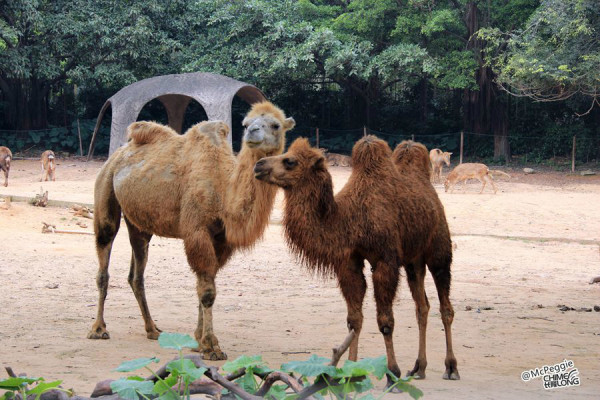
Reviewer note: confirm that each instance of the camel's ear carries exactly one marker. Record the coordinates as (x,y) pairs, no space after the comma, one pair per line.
(289,123)
(450,153)
(319,164)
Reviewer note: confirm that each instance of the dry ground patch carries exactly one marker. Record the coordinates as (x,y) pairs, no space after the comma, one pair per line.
(519,255)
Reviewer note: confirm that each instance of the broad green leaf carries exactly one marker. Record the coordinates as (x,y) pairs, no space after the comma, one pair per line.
(187,369)
(377,366)
(17,383)
(176,341)
(243,362)
(160,387)
(138,363)
(277,391)
(314,366)
(169,395)
(404,385)
(43,386)
(129,389)
(247,382)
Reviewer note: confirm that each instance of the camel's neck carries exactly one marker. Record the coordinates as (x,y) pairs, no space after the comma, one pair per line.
(248,202)
(311,221)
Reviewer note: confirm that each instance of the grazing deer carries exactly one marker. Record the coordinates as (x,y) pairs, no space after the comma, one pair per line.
(48,166)
(466,171)
(438,159)
(5,158)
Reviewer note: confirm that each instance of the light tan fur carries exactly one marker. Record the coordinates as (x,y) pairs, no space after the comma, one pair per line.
(466,171)
(48,166)
(190,187)
(438,159)
(5,159)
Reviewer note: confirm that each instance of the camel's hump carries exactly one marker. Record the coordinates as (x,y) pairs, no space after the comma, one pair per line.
(370,151)
(146,132)
(410,155)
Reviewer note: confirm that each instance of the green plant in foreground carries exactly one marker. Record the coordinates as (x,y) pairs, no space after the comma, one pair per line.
(182,373)
(318,376)
(20,385)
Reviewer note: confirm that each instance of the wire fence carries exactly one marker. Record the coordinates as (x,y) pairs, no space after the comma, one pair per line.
(581,148)
(562,146)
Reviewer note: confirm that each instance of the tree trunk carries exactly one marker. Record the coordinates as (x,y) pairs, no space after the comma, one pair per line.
(483,110)
(26,105)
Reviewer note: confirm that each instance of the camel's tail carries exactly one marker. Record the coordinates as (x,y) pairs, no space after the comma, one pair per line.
(494,172)
(370,152)
(409,155)
(145,132)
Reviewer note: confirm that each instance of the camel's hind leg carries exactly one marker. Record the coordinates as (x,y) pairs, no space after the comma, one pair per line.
(353,286)
(139,257)
(385,285)
(442,276)
(415,275)
(107,218)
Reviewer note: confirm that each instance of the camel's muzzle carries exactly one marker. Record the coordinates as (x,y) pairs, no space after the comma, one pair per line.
(261,170)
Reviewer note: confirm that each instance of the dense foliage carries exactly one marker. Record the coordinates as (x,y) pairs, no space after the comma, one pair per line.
(397,66)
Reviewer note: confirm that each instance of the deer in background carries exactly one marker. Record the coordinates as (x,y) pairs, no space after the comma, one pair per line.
(438,159)
(5,159)
(48,166)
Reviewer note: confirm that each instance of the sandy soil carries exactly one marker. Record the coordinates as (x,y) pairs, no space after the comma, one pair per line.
(520,254)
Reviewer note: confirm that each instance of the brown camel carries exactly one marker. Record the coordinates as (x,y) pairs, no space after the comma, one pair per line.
(189,187)
(5,159)
(387,214)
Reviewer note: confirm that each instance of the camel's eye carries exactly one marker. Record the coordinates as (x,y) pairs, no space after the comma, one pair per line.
(275,126)
(289,163)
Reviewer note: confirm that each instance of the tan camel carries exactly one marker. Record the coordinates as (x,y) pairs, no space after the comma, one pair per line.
(438,159)
(5,159)
(388,213)
(48,166)
(189,187)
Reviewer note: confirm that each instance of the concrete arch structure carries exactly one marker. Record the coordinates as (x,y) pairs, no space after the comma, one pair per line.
(214,92)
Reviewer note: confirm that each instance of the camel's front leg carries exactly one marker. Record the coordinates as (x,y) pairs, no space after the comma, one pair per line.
(203,261)
(353,285)
(385,284)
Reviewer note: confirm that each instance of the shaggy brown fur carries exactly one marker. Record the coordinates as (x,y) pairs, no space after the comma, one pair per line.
(5,159)
(411,157)
(438,159)
(48,166)
(388,215)
(190,187)
(466,171)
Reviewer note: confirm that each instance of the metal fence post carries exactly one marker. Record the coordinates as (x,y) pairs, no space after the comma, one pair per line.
(317,137)
(573,155)
(462,140)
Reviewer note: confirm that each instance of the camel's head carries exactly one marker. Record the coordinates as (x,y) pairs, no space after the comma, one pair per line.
(265,126)
(300,163)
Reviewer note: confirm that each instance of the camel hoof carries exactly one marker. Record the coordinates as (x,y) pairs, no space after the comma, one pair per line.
(390,384)
(98,334)
(153,335)
(451,375)
(213,355)
(416,374)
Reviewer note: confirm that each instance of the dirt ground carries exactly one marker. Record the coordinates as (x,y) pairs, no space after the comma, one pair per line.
(519,255)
